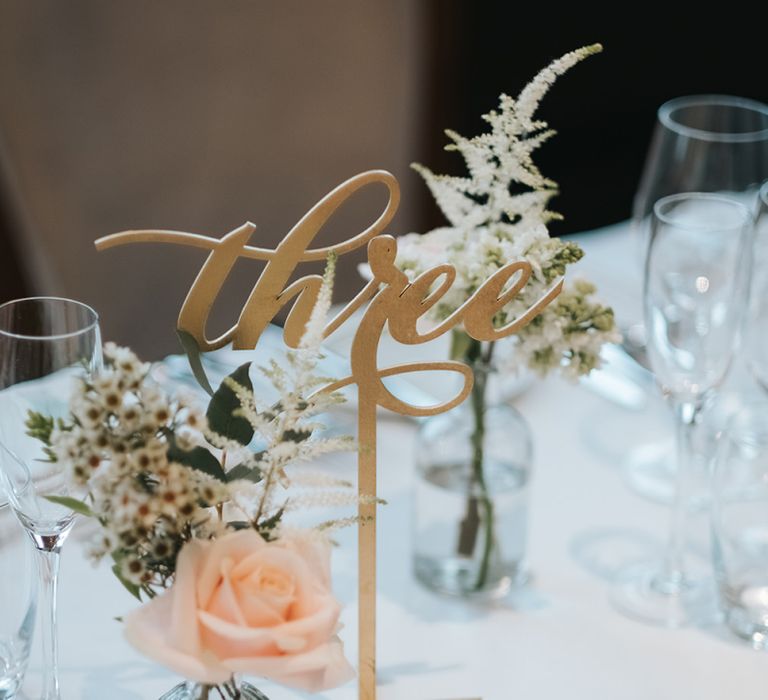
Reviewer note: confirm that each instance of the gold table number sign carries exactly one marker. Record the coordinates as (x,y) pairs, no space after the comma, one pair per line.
(394,302)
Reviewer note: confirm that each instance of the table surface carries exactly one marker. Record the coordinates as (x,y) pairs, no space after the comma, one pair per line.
(560,636)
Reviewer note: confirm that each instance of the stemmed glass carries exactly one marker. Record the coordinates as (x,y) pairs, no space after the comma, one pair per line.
(46,345)
(701,143)
(694,294)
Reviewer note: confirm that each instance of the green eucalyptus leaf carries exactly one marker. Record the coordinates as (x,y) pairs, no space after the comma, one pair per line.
(71,503)
(243,471)
(132,588)
(223,405)
(299,435)
(239,525)
(195,357)
(267,526)
(197,458)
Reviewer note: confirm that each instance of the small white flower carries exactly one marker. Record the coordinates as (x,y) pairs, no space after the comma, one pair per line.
(130,417)
(141,459)
(134,570)
(90,414)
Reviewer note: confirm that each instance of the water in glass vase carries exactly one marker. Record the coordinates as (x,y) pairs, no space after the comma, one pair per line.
(470,524)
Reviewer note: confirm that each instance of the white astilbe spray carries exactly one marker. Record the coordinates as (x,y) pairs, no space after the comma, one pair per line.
(287,432)
(497,215)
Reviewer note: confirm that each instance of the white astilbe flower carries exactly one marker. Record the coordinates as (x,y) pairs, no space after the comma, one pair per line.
(498,214)
(322,499)
(314,479)
(286,433)
(313,333)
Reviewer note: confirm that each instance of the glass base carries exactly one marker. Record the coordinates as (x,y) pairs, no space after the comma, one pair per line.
(195,691)
(458,577)
(744,626)
(12,667)
(644,593)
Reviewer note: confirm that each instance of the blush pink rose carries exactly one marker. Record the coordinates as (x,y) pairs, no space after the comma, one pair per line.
(243,605)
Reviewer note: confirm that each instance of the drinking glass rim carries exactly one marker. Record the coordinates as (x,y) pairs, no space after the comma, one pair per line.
(666,110)
(60,336)
(682,196)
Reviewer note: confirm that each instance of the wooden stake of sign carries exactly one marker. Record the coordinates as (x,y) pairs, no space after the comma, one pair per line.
(395,303)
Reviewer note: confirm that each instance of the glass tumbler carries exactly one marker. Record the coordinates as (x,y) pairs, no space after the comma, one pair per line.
(740,523)
(17,601)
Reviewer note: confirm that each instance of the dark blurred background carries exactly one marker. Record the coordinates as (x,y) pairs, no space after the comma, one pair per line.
(201,114)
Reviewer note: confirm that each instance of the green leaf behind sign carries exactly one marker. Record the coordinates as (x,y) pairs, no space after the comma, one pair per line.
(243,471)
(195,357)
(197,458)
(223,405)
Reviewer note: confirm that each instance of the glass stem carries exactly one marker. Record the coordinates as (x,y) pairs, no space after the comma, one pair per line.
(478,473)
(480,511)
(674,561)
(48,567)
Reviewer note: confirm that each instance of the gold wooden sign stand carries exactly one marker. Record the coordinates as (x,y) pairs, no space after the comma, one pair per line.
(395,302)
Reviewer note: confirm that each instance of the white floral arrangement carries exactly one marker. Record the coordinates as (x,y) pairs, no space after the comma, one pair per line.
(191,510)
(499,214)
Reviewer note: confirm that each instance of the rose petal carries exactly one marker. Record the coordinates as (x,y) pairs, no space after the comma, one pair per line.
(310,590)
(236,546)
(321,668)
(150,631)
(314,550)
(314,630)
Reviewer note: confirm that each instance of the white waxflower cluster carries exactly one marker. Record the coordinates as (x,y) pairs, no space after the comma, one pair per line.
(494,223)
(120,447)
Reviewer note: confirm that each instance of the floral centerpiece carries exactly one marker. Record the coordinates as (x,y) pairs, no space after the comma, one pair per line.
(496,214)
(191,509)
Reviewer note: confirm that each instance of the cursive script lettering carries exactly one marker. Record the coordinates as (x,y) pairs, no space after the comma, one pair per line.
(395,302)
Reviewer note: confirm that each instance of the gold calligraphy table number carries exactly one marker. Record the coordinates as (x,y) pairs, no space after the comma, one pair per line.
(393,301)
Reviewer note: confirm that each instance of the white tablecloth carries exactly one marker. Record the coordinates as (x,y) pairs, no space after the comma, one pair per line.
(560,638)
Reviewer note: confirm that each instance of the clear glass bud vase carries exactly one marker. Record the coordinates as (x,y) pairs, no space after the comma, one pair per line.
(471,501)
(236,689)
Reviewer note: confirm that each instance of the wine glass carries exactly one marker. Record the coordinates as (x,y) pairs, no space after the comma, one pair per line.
(756,332)
(701,143)
(46,346)
(694,295)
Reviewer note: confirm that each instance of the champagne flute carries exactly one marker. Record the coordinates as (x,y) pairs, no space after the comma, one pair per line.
(701,143)
(46,346)
(694,295)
